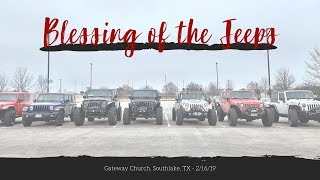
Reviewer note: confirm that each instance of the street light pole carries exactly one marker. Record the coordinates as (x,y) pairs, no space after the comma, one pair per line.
(48,78)
(217,77)
(60,85)
(269,81)
(91,75)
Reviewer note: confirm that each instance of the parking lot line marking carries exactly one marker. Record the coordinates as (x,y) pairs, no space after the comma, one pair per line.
(167,120)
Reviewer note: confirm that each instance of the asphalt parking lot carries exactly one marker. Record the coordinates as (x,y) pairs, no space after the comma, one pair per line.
(144,138)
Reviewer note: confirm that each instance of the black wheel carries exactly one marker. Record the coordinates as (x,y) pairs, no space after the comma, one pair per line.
(119,113)
(60,119)
(275,115)
(112,116)
(293,118)
(174,116)
(232,117)
(26,121)
(9,117)
(212,117)
(126,116)
(78,117)
(179,114)
(220,114)
(267,119)
(159,116)
(90,119)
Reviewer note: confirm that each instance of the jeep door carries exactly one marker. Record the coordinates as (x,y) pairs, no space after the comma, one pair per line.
(282,106)
(224,102)
(21,103)
(177,102)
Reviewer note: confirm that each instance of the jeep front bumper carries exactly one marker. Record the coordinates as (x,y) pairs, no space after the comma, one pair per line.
(41,117)
(313,114)
(95,113)
(253,113)
(195,114)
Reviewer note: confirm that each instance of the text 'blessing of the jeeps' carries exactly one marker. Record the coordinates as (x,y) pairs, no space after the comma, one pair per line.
(188,36)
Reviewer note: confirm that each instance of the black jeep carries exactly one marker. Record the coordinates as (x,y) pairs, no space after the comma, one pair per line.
(99,103)
(50,106)
(144,103)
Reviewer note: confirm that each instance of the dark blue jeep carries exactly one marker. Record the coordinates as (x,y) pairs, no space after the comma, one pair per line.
(48,107)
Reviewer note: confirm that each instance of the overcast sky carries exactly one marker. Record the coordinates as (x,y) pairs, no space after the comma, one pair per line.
(22,24)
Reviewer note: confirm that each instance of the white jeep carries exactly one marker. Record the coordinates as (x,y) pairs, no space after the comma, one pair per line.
(193,104)
(296,105)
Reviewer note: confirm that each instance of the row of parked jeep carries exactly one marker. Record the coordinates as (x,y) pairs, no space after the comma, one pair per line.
(299,106)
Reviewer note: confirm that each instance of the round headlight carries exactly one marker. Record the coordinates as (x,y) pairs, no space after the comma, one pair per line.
(50,108)
(261,105)
(303,105)
(31,108)
(241,105)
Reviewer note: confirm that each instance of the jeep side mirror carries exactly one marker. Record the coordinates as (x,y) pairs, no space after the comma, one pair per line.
(20,99)
(130,97)
(35,100)
(228,99)
(84,96)
(67,101)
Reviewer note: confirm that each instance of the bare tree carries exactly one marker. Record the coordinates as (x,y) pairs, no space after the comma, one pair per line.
(254,86)
(170,88)
(22,80)
(312,87)
(41,84)
(229,85)
(3,82)
(284,80)
(194,86)
(264,85)
(124,90)
(211,90)
(147,87)
(313,68)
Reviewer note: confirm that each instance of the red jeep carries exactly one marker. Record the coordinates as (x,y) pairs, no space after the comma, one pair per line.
(12,104)
(243,104)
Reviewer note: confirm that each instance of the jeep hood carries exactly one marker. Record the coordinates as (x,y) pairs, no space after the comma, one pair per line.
(6,103)
(194,101)
(97,99)
(46,104)
(306,101)
(144,100)
(245,101)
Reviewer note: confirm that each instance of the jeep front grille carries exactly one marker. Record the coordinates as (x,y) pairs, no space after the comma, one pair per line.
(196,107)
(312,106)
(144,104)
(94,104)
(40,109)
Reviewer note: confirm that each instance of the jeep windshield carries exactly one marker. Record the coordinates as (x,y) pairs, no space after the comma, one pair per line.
(243,95)
(7,97)
(50,98)
(100,93)
(192,95)
(144,94)
(299,95)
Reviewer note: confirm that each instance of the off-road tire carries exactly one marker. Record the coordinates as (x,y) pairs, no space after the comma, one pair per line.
(275,115)
(112,116)
(72,117)
(267,119)
(220,114)
(174,115)
(60,119)
(9,117)
(293,118)
(212,117)
(232,117)
(78,117)
(159,116)
(90,119)
(126,116)
(119,114)
(179,114)
(26,122)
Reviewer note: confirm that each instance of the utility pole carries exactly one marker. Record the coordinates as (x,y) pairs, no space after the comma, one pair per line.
(269,91)
(75,86)
(165,82)
(182,84)
(217,77)
(48,78)
(60,84)
(91,75)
